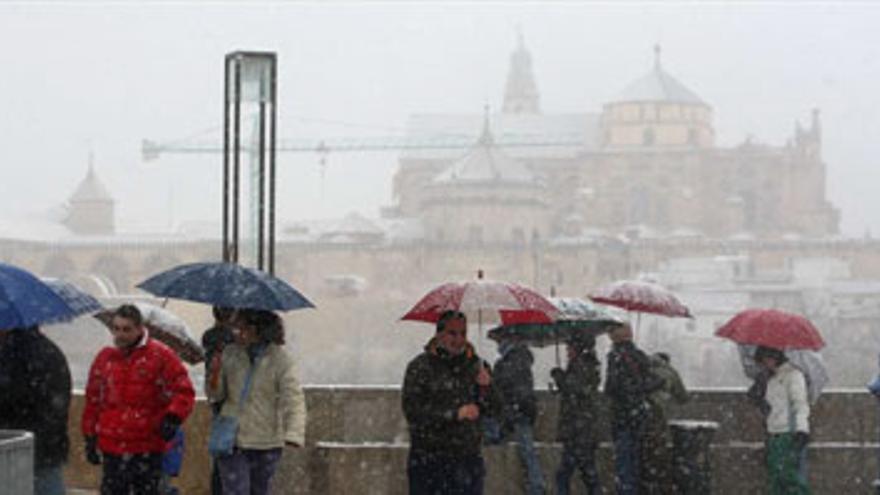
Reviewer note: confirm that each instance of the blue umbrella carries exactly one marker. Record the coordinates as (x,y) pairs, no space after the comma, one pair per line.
(80,301)
(226,284)
(26,301)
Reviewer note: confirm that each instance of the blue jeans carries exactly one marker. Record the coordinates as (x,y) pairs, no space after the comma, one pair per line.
(580,456)
(432,474)
(248,471)
(525,444)
(49,480)
(627,449)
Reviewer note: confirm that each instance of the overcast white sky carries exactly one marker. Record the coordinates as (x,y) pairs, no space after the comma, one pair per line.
(104,76)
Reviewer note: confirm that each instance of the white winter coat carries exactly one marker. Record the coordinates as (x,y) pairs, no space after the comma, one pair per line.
(787,396)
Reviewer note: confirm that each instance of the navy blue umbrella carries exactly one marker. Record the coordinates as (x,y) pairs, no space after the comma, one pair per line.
(226,284)
(80,301)
(26,301)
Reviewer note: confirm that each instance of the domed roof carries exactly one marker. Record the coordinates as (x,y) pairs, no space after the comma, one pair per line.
(485,163)
(91,189)
(658,85)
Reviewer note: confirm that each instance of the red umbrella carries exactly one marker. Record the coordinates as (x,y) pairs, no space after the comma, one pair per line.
(772,328)
(642,297)
(488,297)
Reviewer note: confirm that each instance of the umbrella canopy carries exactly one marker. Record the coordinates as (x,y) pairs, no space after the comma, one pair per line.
(573,315)
(809,362)
(226,284)
(772,328)
(486,296)
(167,328)
(26,301)
(642,297)
(80,301)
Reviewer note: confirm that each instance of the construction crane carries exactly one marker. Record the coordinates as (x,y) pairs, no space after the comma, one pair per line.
(152,150)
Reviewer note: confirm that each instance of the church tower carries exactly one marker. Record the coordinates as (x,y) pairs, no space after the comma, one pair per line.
(90,207)
(521,92)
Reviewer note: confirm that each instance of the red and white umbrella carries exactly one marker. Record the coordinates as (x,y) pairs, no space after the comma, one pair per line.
(772,328)
(641,297)
(485,297)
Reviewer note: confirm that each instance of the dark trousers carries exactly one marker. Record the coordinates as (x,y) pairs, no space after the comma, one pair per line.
(580,455)
(135,474)
(627,459)
(248,471)
(431,474)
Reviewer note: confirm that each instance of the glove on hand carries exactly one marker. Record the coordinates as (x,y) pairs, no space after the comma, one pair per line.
(801,439)
(557,374)
(92,454)
(168,427)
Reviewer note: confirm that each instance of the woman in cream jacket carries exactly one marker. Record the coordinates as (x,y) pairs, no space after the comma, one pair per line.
(272,415)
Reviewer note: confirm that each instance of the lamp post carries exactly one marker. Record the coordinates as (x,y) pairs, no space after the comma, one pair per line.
(250,100)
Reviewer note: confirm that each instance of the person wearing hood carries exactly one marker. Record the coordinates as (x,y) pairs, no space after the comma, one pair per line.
(787,422)
(35,396)
(656,458)
(138,394)
(271,412)
(446,390)
(578,386)
(516,386)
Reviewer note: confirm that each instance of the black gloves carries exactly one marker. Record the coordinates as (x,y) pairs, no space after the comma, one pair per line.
(92,454)
(168,427)
(557,374)
(801,439)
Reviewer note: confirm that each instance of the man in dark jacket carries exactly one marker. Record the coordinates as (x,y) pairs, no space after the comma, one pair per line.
(516,386)
(447,388)
(578,386)
(35,396)
(628,383)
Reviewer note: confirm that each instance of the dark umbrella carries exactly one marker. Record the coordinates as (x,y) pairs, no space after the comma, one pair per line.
(226,284)
(574,316)
(26,301)
(80,301)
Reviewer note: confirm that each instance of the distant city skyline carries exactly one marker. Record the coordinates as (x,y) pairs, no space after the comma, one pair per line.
(95,77)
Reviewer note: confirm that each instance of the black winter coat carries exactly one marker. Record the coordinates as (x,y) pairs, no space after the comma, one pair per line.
(435,386)
(515,383)
(578,388)
(628,384)
(35,393)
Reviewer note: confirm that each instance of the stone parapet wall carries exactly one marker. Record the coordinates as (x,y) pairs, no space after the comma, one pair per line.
(356,443)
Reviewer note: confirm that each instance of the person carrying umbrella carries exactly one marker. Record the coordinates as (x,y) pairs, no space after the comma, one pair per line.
(35,396)
(137,395)
(578,386)
(516,386)
(446,390)
(258,384)
(787,422)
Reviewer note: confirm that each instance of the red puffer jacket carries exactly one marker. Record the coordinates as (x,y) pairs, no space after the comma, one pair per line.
(128,394)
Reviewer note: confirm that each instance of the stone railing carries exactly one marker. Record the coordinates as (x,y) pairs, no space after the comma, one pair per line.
(356,443)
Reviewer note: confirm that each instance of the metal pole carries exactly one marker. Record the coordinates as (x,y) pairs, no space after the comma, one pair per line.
(273,116)
(236,158)
(226,254)
(261,206)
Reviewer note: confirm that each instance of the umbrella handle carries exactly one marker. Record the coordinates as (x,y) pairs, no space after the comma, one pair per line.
(164,303)
(557,349)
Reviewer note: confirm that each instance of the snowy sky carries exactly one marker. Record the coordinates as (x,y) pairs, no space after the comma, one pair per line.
(103,76)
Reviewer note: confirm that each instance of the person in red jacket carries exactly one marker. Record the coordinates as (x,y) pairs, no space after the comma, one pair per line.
(137,395)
